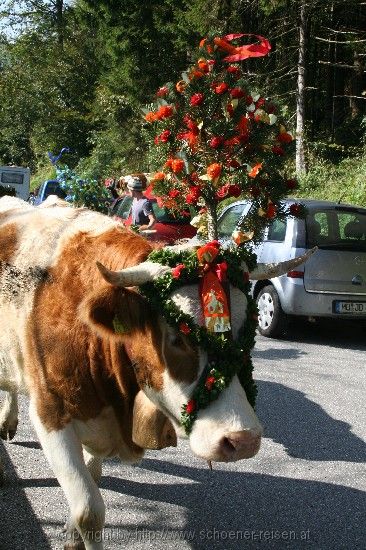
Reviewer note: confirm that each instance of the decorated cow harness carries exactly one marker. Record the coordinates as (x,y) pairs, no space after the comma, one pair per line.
(212,267)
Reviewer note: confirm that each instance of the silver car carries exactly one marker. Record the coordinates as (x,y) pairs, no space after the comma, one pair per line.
(332,283)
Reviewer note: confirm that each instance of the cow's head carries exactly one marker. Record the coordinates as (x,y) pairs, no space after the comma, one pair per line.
(167,365)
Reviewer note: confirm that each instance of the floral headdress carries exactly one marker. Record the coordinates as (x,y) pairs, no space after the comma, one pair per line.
(226,357)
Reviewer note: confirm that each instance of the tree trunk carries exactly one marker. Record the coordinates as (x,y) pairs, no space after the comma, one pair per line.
(357,86)
(59,5)
(212,221)
(300,98)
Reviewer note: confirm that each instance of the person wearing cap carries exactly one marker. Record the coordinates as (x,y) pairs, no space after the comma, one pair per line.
(141,209)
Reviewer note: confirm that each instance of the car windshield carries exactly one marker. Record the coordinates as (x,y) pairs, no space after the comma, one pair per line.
(340,228)
(229,220)
(122,209)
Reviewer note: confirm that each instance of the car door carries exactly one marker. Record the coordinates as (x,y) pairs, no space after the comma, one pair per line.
(339,266)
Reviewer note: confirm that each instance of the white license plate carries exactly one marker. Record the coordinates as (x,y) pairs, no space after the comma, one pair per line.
(353,308)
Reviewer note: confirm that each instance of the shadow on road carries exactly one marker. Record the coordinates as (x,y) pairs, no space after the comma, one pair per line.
(222,501)
(20,528)
(339,334)
(28,444)
(261,510)
(304,428)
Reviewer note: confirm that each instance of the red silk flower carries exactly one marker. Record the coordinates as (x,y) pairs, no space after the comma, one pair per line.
(196,99)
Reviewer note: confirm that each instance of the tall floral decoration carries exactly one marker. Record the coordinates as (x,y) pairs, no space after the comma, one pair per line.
(216,137)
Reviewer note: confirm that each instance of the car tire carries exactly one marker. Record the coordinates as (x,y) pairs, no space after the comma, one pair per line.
(272,320)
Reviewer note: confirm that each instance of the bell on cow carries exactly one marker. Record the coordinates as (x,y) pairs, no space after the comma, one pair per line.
(151,428)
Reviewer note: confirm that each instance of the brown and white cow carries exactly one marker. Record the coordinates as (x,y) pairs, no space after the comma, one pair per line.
(58,344)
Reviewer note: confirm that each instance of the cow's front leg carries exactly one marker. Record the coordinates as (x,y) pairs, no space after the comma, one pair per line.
(64,453)
(9,416)
(94,465)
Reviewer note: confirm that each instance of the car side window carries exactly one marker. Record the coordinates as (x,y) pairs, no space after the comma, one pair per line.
(277,231)
(229,220)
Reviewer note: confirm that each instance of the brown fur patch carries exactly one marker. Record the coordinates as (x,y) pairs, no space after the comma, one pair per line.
(8,241)
(183,360)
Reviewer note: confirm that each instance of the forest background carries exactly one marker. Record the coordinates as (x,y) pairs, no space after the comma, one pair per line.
(77,73)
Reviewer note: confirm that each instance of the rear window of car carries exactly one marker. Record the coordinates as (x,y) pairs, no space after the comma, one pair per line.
(340,228)
(276,231)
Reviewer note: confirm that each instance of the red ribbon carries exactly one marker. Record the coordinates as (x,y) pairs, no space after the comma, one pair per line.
(239,53)
(213,296)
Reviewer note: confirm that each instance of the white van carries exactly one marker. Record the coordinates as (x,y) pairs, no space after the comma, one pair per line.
(16,177)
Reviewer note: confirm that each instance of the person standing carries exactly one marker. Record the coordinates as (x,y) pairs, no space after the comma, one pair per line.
(141,209)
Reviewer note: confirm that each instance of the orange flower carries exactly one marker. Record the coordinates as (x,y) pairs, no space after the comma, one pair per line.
(209,48)
(214,170)
(195,74)
(177,165)
(254,171)
(203,65)
(158,176)
(151,116)
(207,253)
(224,45)
(165,111)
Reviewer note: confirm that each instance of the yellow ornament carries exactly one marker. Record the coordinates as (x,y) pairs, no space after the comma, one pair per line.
(240,237)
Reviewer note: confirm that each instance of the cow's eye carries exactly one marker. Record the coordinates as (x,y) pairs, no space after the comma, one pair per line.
(177,341)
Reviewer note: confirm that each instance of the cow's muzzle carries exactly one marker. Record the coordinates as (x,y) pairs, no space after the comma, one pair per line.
(238,445)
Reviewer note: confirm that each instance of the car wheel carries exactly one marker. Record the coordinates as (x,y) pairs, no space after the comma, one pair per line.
(272,320)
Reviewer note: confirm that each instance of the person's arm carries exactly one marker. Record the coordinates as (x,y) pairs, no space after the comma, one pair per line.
(148,211)
(150,225)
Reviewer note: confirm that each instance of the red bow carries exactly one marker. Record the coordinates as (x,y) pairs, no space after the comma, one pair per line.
(239,53)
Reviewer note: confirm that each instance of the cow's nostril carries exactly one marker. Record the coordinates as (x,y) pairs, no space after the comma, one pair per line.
(236,445)
(227,446)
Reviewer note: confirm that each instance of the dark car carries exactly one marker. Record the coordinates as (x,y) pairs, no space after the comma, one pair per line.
(167,228)
(48,187)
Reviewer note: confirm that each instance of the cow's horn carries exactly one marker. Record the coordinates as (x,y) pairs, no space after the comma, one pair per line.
(135,275)
(268,271)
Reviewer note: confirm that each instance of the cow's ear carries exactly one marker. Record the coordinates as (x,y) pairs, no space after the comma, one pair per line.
(102,312)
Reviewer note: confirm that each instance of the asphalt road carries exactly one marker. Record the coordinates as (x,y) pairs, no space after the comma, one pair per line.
(305,488)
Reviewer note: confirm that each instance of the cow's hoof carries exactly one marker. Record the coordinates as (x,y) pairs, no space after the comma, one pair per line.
(8,430)
(73,537)
(77,545)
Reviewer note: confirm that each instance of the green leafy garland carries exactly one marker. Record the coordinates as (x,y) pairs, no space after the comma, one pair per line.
(231,357)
